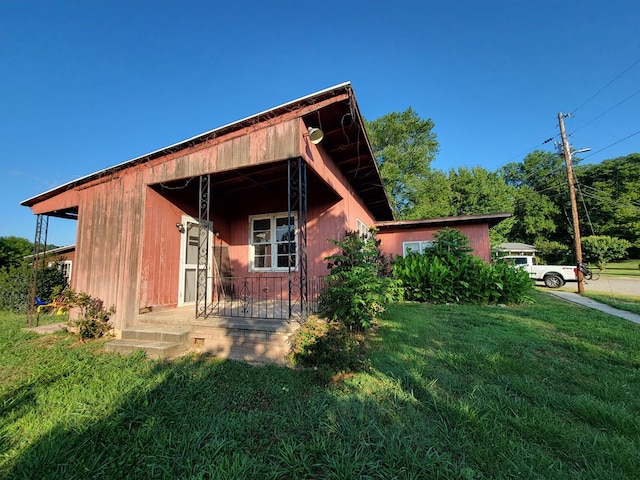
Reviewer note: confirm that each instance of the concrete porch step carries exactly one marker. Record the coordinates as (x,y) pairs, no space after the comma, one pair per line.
(156,350)
(157,341)
(157,333)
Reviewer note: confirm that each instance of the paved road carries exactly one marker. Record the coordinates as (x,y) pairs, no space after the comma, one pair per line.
(611,285)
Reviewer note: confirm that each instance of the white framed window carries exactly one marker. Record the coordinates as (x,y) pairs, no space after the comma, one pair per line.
(65,267)
(272,242)
(363,230)
(416,247)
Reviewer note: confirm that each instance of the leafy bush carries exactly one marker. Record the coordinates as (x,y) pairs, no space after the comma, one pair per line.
(93,318)
(328,346)
(16,280)
(553,253)
(602,249)
(448,273)
(357,290)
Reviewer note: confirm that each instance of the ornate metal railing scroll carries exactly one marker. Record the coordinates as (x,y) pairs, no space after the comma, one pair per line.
(202,272)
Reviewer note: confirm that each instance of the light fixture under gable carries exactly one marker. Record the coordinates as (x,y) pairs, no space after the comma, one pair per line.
(315,135)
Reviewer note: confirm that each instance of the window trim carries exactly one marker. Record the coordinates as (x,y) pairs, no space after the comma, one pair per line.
(273,217)
(65,266)
(422,246)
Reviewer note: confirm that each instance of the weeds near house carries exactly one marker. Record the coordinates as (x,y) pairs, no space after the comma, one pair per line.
(328,347)
(542,391)
(93,320)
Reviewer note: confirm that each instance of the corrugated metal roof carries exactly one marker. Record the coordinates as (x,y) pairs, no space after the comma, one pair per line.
(182,144)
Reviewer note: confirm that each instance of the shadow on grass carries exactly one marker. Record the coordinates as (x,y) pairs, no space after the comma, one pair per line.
(454,393)
(201,417)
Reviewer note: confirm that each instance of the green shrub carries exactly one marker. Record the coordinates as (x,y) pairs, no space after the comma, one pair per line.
(448,273)
(553,253)
(328,347)
(357,290)
(16,280)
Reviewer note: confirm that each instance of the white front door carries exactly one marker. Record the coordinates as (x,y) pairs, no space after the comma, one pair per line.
(189,261)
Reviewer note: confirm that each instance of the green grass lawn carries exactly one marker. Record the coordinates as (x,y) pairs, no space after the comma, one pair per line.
(625,268)
(543,390)
(623,302)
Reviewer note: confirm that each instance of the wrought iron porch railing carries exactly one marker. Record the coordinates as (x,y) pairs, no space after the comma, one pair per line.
(263,297)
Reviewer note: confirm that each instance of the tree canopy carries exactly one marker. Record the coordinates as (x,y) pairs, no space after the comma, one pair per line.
(404,146)
(13,250)
(535,190)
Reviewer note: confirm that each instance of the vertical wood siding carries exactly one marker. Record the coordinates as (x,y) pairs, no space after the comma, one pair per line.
(128,247)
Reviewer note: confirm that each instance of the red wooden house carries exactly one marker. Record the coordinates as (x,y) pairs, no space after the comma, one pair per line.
(234,222)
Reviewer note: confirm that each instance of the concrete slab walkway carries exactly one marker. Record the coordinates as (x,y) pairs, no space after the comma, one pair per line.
(48,328)
(587,302)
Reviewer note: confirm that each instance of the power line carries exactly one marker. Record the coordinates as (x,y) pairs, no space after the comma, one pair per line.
(614,143)
(604,196)
(605,112)
(606,86)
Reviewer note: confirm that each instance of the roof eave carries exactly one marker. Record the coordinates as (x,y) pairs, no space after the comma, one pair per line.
(182,144)
(491,219)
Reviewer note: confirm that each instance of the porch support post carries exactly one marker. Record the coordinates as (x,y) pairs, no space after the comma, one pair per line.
(202,272)
(297,201)
(39,249)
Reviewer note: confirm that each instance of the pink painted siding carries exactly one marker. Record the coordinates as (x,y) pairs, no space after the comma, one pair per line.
(391,239)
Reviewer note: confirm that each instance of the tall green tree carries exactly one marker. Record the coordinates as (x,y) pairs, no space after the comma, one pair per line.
(405,145)
(13,250)
(478,191)
(609,194)
(435,197)
(542,203)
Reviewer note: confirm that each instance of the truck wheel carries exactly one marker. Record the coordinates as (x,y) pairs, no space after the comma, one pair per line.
(553,281)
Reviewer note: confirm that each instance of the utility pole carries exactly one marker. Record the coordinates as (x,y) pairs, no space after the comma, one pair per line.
(574,205)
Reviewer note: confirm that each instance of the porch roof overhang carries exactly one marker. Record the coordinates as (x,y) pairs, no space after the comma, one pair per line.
(491,219)
(335,110)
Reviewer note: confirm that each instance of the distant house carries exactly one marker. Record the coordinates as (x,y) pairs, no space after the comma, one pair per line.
(234,222)
(515,249)
(63,257)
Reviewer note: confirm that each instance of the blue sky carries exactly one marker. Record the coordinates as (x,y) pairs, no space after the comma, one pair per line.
(89,84)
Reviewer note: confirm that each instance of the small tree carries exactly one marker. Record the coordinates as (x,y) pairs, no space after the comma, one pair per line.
(602,249)
(449,242)
(357,291)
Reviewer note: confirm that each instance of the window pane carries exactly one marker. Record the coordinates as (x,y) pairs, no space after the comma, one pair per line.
(261,231)
(426,245)
(189,285)
(191,257)
(284,261)
(262,256)
(411,247)
(284,232)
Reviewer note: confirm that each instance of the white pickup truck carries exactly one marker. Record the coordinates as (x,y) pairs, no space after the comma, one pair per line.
(553,276)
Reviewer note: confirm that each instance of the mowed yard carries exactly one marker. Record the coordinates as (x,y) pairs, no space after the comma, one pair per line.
(541,390)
